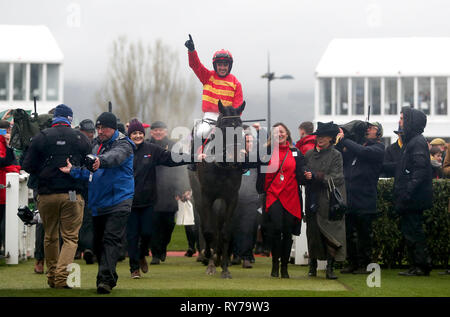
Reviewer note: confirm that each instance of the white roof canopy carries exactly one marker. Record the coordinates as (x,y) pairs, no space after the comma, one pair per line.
(28,43)
(386,57)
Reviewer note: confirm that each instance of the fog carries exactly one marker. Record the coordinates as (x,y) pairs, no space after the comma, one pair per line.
(296,33)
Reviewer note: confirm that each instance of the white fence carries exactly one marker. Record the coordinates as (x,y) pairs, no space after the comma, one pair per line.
(19,238)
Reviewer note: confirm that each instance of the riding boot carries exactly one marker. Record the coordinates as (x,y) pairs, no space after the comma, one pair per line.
(312,267)
(330,270)
(275,267)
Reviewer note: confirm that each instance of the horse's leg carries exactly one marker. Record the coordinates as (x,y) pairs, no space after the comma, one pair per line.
(225,234)
(196,193)
(207,224)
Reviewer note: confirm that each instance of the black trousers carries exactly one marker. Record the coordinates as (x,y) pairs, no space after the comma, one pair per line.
(411,225)
(192,237)
(163,225)
(359,236)
(280,225)
(39,242)
(139,232)
(109,232)
(245,226)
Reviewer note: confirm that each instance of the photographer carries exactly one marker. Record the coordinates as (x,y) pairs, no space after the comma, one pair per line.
(363,163)
(111,190)
(59,201)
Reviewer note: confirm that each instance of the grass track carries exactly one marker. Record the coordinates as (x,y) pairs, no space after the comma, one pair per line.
(183,277)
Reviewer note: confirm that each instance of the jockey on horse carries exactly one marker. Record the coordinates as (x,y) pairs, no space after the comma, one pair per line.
(218,84)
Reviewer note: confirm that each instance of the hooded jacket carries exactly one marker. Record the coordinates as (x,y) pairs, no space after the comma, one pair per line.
(306,143)
(413,180)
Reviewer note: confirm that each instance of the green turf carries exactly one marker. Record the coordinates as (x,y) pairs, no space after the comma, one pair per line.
(178,241)
(184,277)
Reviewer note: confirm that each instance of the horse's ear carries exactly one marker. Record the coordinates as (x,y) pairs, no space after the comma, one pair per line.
(241,108)
(221,107)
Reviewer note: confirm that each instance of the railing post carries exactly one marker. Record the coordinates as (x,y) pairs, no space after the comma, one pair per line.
(11,219)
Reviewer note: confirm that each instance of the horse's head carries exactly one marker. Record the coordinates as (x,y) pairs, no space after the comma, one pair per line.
(230,118)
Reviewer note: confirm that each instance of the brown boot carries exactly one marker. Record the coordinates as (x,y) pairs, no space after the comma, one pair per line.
(143,265)
(39,267)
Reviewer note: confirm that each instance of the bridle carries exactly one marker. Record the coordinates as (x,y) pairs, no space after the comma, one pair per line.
(236,124)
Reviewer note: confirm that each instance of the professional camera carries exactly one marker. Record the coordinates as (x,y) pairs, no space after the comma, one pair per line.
(27,216)
(89,161)
(355,130)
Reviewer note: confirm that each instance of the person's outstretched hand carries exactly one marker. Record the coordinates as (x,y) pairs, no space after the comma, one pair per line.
(190,44)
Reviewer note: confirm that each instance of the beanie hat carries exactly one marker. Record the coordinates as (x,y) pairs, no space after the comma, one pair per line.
(4,124)
(64,112)
(107,119)
(87,125)
(135,125)
(158,125)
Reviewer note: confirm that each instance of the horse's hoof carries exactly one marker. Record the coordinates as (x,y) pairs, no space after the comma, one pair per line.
(226,275)
(211,270)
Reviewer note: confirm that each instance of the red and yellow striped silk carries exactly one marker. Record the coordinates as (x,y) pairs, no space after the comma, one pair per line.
(228,89)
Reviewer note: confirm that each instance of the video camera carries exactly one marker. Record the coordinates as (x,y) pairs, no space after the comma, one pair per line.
(89,161)
(27,216)
(355,130)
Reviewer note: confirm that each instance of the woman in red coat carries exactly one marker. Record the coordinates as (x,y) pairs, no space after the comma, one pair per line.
(283,206)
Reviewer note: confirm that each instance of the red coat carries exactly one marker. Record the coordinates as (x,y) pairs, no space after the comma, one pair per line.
(306,143)
(285,190)
(228,89)
(11,167)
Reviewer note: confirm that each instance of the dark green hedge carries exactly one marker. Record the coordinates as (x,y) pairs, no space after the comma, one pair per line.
(389,246)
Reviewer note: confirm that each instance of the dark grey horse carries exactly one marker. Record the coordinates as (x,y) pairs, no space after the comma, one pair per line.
(219,186)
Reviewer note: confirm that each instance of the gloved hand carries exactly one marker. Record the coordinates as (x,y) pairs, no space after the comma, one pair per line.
(190,44)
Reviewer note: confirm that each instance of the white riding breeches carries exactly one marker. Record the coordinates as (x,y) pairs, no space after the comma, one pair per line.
(204,127)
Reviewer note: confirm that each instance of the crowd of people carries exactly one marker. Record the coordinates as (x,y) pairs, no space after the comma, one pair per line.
(105,190)
(124,204)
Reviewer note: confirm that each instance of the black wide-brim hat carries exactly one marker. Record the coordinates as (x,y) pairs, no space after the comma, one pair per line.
(327,129)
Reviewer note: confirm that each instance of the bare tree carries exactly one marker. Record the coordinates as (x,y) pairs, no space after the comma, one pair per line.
(143,81)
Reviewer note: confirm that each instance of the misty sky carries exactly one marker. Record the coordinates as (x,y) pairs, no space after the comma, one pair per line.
(296,33)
